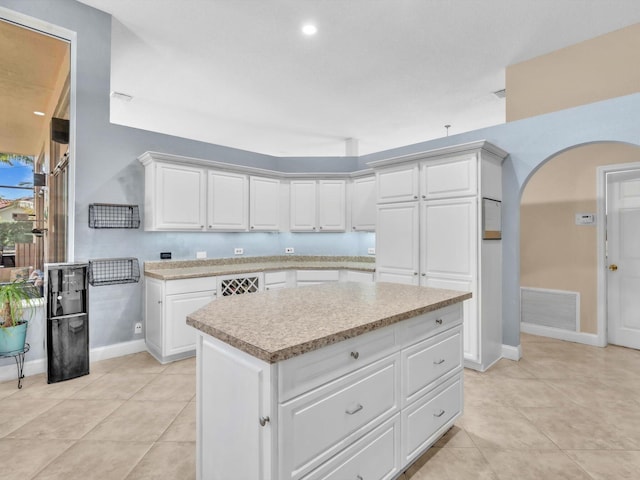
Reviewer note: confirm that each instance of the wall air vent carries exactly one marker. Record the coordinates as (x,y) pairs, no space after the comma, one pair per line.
(500,93)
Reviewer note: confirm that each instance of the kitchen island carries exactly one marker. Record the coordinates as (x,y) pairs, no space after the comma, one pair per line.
(334,381)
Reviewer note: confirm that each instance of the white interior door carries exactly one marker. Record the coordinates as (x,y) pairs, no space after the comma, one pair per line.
(623,258)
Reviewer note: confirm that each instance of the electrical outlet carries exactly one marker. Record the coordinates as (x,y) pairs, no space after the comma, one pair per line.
(371,251)
(238,251)
(201,254)
(288,250)
(137,328)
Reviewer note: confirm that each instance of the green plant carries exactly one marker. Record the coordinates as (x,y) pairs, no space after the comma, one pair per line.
(12,302)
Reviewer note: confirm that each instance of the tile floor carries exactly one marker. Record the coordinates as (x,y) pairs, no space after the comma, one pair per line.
(565,411)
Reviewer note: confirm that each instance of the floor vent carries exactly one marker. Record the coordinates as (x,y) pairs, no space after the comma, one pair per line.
(551,308)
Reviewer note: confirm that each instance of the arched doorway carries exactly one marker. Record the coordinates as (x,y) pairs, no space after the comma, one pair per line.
(559,262)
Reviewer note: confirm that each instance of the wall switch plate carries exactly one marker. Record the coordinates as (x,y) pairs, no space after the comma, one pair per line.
(165,255)
(371,251)
(137,328)
(238,251)
(201,254)
(288,250)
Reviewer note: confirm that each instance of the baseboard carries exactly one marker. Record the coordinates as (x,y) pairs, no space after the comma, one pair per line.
(560,334)
(512,353)
(39,365)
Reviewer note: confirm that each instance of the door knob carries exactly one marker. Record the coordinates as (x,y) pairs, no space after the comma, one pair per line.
(613,267)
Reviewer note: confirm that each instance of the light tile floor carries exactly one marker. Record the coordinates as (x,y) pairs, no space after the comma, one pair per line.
(565,411)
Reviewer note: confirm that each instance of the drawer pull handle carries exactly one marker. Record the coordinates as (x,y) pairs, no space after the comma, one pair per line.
(438,362)
(359,477)
(355,410)
(438,321)
(264,420)
(439,414)
(355,355)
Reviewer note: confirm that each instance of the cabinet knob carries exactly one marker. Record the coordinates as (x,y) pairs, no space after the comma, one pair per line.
(355,355)
(415,197)
(424,274)
(210,226)
(424,196)
(438,321)
(320,228)
(159,301)
(314,228)
(252,227)
(415,273)
(264,420)
(359,477)
(353,228)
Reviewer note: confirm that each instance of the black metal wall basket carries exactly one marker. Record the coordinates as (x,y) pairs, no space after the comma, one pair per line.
(113,271)
(112,215)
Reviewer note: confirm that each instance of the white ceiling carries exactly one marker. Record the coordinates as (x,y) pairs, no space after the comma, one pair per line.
(385,72)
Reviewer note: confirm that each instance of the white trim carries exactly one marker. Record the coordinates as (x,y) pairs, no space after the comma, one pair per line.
(512,353)
(601,226)
(70,36)
(33,367)
(561,334)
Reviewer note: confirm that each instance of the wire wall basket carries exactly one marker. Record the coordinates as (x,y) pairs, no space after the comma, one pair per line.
(111,215)
(113,271)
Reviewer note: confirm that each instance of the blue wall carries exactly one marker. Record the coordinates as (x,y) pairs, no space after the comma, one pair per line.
(107,171)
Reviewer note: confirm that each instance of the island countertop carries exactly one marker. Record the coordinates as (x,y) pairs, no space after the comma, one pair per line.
(279,324)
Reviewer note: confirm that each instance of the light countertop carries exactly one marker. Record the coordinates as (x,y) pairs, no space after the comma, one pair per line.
(279,324)
(181,269)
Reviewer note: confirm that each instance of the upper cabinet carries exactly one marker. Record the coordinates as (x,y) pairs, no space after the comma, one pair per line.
(318,205)
(264,204)
(449,177)
(398,184)
(175,197)
(363,204)
(227,201)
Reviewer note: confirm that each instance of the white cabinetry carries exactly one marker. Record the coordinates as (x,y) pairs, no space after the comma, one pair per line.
(363,204)
(167,304)
(175,197)
(227,205)
(264,204)
(365,407)
(314,277)
(435,238)
(318,205)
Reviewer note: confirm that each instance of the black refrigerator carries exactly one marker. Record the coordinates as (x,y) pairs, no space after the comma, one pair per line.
(67,321)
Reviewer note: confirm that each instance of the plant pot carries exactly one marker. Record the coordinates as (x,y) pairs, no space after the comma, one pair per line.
(12,339)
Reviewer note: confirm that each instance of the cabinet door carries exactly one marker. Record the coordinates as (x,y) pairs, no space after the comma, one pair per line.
(363,204)
(454,177)
(264,204)
(179,197)
(303,205)
(153,315)
(228,201)
(398,184)
(332,210)
(180,337)
(397,243)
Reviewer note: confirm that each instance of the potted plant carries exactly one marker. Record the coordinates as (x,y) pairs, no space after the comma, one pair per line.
(14,297)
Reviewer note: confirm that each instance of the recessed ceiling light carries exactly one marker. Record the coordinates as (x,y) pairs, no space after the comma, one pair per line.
(40,114)
(309,29)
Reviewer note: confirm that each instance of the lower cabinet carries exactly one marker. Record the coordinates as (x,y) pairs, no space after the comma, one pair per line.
(365,407)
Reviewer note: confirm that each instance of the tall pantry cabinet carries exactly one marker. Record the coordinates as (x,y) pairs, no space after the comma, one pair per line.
(429,232)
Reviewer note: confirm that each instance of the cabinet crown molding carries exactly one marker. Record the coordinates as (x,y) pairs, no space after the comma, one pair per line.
(470,147)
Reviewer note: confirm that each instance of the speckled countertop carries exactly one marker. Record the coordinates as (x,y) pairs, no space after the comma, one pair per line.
(181,269)
(280,324)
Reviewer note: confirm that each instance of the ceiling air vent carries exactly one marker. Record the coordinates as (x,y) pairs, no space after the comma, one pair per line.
(500,93)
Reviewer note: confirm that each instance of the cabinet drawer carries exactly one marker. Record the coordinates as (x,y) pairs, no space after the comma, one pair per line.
(418,328)
(274,277)
(300,374)
(428,418)
(429,362)
(189,285)
(317,276)
(317,425)
(376,456)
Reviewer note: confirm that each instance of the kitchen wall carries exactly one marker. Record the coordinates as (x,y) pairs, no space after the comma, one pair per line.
(107,171)
(555,253)
(597,69)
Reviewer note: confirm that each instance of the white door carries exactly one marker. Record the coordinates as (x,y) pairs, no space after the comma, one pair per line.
(180,197)
(398,243)
(332,211)
(264,203)
(227,204)
(303,206)
(623,258)
(180,337)
(363,204)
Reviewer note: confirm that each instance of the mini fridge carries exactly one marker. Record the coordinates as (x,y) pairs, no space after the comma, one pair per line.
(67,320)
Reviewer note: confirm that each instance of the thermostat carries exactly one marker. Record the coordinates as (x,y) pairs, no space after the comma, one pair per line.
(585,219)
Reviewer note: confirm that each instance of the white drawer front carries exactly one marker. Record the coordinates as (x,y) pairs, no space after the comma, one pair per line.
(426,420)
(429,362)
(374,457)
(418,328)
(317,276)
(302,373)
(190,285)
(321,423)
(275,277)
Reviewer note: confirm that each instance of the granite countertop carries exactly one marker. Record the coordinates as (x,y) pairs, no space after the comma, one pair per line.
(280,324)
(181,269)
